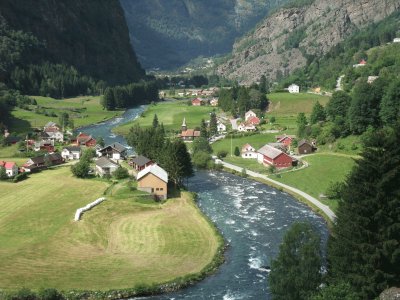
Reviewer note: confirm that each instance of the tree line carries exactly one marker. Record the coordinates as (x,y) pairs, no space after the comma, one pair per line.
(130,95)
(171,155)
(239,99)
(368,107)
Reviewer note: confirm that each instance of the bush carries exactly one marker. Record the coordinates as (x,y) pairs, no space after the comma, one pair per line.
(201,159)
(237,151)
(121,173)
(334,190)
(49,294)
(222,154)
(20,177)
(81,169)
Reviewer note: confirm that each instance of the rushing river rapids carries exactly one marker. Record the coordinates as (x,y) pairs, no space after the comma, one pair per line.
(251,216)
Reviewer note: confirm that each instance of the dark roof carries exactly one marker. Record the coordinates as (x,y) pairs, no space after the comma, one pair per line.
(104,162)
(73,148)
(116,146)
(38,159)
(55,156)
(12,139)
(140,160)
(304,142)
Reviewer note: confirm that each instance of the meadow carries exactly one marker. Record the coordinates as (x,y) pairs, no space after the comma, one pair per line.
(171,114)
(126,241)
(83,110)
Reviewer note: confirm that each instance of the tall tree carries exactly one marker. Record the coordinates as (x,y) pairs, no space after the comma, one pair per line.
(243,101)
(155,121)
(317,114)
(263,85)
(213,124)
(203,129)
(364,249)
(295,272)
(390,105)
(301,124)
(338,105)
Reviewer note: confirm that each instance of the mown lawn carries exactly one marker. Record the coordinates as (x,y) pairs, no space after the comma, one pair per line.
(125,241)
(171,114)
(83,110)
(323,170)
(256,140)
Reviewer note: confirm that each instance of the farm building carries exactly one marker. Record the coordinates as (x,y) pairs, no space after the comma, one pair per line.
(114,151)
(140,162)
(72,152)
(294,89)
(11,168)
(305,147)
(105,166)
(271,156)
(153,180)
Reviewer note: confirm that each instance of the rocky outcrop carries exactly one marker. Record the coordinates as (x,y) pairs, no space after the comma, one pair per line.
(284,40)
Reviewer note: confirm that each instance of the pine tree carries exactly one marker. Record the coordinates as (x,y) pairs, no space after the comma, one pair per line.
(263,85)
(364,249)
(213,124)
(390,105)
(317,114)
(155,121)
(236,151)
(338,105)
(295,272)
(301,125)
(203,129)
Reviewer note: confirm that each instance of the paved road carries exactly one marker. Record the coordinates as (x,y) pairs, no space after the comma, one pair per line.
(331,215)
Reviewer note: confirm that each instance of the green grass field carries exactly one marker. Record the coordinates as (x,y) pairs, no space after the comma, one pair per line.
(256,140)
(285,107)
(322,171)
(171,114)
(125,241)
(83,110)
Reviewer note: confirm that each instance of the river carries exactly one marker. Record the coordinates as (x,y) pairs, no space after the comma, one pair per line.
(251,216)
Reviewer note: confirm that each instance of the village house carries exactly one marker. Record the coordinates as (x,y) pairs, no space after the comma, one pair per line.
(140,162)
(285,139)
(362,63)
(10,167)
(305,147)
(153,180)
(294,89)
(214,102)
(249,114)
(248,151)
(188,134)
(221,127)
(39,162)
(396,40)
(197,102)
(271,156)
(51,126)
(71,153)
(243,127)
(114,151)
(253,120)
(83,139)
(105,166)
(371,79)
(97,148)
(279,146)
(43,145)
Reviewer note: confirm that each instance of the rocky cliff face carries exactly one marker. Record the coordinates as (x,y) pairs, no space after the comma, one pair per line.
(283,41)
(167,34)
(91,35)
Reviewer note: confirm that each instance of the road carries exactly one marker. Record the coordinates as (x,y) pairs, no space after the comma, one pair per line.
(324,208)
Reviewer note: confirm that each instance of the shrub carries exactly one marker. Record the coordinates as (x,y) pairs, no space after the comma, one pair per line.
(237,151)
(121,173)
(20,177)
(49,294)
(222,154)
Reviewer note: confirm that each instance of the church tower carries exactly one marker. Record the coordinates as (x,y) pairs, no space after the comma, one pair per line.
(184,127)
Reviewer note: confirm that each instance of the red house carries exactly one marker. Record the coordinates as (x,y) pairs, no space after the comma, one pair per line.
(197,102)
(84,139)
(269,155)
(285,139)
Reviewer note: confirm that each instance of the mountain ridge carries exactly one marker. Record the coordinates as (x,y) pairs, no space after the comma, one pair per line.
(288,38)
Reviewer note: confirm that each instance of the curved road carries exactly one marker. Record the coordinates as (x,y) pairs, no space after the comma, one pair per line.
(330,214)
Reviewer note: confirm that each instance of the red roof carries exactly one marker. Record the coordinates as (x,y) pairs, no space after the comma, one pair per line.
(253,120)
(7,164)
(197,101)
(363,62)
(190,133)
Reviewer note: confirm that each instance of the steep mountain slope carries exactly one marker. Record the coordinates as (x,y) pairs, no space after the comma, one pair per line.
(284,41)
(169,33)
(91,35)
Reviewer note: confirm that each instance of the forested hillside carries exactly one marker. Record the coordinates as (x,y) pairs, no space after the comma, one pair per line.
(167,34)
(90,35)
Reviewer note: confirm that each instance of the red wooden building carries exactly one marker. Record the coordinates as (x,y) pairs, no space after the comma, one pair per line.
(285,139)
(269,155)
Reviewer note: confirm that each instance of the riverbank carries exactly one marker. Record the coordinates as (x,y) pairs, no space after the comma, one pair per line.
(124,247)
(313,203)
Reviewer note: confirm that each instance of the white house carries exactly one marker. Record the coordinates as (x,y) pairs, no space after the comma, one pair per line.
(294,89)
(246,127)
(249,115)
(11,168)
(73,152)
(55,135)
(221,127)
(248,151)
(396,40)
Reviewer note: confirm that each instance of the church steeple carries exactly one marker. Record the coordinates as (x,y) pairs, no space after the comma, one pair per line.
(184,127)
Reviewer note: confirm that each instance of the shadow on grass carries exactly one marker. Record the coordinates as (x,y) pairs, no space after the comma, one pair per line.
(174,192)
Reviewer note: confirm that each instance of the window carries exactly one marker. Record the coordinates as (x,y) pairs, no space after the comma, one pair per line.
(161,189)
(157,189)
(152,190)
